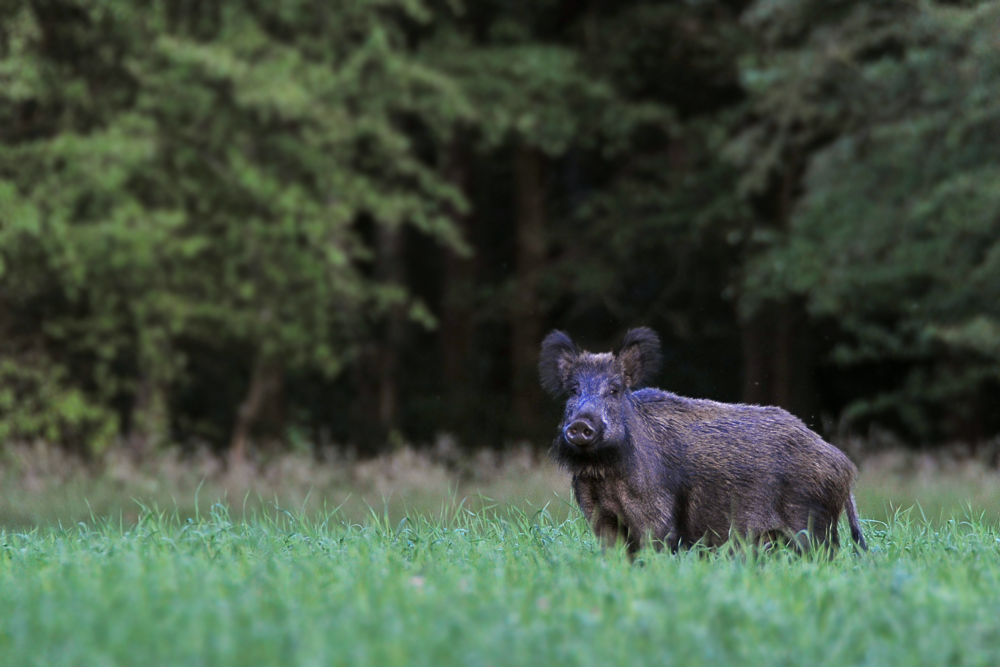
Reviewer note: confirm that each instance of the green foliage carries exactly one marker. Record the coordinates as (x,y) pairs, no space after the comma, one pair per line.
(541,95)
(662,231)
(36,403)
(472,588)
(897,235)
(184,183)
(201,175)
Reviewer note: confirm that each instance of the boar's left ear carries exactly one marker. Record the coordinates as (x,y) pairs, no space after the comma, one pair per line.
(640,357)
(555,361)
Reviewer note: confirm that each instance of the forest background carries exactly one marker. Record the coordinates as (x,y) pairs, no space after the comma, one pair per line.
(299,225)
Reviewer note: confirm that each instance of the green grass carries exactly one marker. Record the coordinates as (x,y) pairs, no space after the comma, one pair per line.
(89,577)
(484,588)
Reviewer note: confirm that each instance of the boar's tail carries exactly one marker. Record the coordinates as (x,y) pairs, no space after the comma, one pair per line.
(852,519)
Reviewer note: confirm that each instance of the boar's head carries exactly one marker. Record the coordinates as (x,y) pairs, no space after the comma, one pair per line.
(597,388)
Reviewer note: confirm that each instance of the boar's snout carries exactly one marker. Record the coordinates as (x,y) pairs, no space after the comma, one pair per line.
(582,433)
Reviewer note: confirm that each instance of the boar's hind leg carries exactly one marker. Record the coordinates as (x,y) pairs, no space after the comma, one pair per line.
(820,534)
(813,529)
(827,535)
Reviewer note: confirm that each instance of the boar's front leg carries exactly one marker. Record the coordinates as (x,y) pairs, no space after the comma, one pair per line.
(605,524)
(608,529)
(655,534)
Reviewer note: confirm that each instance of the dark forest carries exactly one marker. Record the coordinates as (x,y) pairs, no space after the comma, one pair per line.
(305,224)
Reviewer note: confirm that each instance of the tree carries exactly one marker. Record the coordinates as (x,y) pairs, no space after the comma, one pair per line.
(895,239)
(534,101)
(654,237)
(201,176)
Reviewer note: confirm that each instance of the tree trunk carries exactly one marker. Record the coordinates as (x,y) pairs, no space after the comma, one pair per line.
(376,407)
(778,359)
(150,420)
(526,315)
(457,327)
(757,358)
(390,270)
(150,416)
(366,436)
(266,384)
(778,347)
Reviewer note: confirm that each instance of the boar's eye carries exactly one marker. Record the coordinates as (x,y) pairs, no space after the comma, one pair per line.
(614,390)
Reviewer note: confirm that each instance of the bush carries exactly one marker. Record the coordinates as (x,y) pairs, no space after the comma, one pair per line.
(37,403)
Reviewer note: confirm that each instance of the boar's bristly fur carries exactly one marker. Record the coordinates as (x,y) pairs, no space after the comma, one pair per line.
(652,467)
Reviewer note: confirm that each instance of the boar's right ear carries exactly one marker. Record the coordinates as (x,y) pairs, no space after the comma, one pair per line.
(555,362)
(640,357)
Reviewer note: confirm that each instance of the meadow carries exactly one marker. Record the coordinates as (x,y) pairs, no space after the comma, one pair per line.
(475,580)
(484,588)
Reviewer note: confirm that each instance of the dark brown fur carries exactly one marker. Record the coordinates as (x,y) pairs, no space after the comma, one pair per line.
(667,470)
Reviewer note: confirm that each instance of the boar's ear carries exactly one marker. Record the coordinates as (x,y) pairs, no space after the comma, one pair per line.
(555,362)
(639,356)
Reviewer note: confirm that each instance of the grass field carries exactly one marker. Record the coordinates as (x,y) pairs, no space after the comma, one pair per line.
(484,589)
(431,564)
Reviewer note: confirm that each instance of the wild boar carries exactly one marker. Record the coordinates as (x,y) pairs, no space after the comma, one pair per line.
(654,468)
